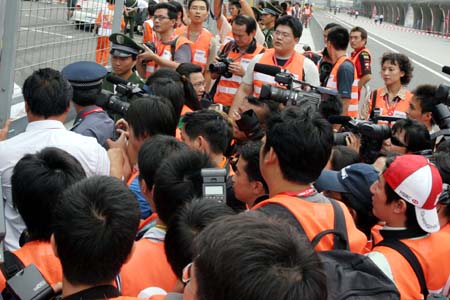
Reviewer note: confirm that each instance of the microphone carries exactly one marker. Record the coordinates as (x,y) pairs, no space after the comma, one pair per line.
(445,69)
(339,119)
(117,80)
(267,69)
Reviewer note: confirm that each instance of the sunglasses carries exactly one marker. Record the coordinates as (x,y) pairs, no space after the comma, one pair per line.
(396,142)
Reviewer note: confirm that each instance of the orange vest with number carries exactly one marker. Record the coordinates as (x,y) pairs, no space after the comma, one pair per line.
(200,48)
(294,66)
(398,110)
(317,217)
(165,51)
(227,87)
(432,252)
(148,266)
(41,255)
(333,82)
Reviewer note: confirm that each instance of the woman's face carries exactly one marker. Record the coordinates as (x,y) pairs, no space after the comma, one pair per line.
(391,73)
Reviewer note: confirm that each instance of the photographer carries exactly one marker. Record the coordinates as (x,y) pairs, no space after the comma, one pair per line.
(237,55)
(408,136)
(421,106)
(288,31)
(91,120)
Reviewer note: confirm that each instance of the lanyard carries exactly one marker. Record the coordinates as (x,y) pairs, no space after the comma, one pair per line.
(87,113)
(274,59)
(304,194)
(391,109)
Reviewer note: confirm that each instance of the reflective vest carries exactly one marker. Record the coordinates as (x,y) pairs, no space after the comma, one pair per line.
(446,228)
(41,255)
(355,57)
(294,65)
(105,19)
(317,217)
(307,11)
(432,252)
(227,87)
(148,266)
(397,110)
(332,83)
(149,35)
(200,47)
(166,51)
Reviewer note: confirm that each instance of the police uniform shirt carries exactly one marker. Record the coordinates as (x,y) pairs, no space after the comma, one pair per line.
(95,123)
(268,34)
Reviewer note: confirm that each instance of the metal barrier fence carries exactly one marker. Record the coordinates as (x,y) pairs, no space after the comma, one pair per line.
(46,33)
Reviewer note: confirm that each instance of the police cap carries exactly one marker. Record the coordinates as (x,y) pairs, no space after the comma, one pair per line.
(123,46)
(271,9)
(84,74)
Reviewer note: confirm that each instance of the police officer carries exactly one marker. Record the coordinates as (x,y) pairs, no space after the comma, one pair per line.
(269,16)
(124,53)
(86,79)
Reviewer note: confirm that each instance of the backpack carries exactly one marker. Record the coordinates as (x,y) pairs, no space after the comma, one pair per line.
(406,252)
(350,276)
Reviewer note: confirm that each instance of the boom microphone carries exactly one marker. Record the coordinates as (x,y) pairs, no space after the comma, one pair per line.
(117,80)
(445,69)
(267,69)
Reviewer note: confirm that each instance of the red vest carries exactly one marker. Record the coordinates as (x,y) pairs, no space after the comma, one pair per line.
(317,217)
(333,82)
(294,65)
(147,267)
(227,87)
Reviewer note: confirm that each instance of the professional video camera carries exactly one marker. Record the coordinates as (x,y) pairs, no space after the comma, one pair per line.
(119,102)
(441,112)
(221,67)
(289,95)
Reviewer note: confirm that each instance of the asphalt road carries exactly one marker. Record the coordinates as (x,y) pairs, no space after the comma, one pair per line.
(428,53)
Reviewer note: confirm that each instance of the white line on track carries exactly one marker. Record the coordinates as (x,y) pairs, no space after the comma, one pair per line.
(46,32)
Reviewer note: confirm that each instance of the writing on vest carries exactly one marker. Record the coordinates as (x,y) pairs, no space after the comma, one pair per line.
(332,83)
(294,65)
(106,19)
(227,87)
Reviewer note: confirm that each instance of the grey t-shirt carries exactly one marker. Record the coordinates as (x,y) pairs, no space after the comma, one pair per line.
(183,54)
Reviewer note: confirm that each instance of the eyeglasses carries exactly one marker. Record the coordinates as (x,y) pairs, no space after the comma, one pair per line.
(161,18)
(186,275)
(284,35)
(396,142)
(195,8)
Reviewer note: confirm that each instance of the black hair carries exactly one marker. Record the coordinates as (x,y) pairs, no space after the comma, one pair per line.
(361,30)
(96,221)
(417,136)
(391,196)
(442,162)
(186,69)
(205,1)
(331,106)
(302,140)
(425,95)
(152,115)
(250,153)
(86,97)
(444,146)
(168,83)
(172,11)
(329,26)
(339,37)
(365,218)
(47,93)
(249,22)
(403,62)
(190,220)
(342,156)
(151,7)
(293,23)
(236,3)
(249,256)
(178,180)
(37,182)
(212,126)
(152,152)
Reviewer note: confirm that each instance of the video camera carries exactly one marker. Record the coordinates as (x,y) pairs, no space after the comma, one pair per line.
(289,95)
(119,102)
(221,67)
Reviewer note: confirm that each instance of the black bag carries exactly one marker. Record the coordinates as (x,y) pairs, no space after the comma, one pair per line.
(351,276)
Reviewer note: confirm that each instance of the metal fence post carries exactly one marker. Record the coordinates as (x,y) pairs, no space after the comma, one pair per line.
(118,11)
(8,58)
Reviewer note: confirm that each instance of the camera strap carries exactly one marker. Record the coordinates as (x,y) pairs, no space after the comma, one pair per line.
(374,101)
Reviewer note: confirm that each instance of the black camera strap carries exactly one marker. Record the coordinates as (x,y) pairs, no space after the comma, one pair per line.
(374,101)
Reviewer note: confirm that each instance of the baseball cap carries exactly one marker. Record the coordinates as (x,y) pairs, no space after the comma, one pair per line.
(355,179)
(418,182)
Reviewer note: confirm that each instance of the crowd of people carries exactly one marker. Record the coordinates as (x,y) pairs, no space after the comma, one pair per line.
(115,206)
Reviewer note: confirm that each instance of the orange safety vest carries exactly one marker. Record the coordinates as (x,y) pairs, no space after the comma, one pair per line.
(41,255)
(149,35)
(332,83)
(432,252)
(294,65)
(317,217)
(446,228)
(148,266)
(165,51)
(227,87)
(398,110)
(354,58)
(200,47)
